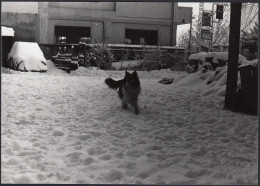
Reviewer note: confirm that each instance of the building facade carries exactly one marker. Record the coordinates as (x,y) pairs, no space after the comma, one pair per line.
(152,23)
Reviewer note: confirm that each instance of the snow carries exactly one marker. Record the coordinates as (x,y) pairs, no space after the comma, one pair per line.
(245,62)
(7,31)
(26,56)
(215,55)
(198,56)
(70,128)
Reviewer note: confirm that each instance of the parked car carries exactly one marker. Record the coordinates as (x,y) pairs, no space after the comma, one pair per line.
(26,56)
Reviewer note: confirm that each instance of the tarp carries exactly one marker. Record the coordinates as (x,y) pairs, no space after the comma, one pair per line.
(26,56)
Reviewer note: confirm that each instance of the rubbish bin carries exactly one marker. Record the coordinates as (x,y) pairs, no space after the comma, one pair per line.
(7,43)
(249,86)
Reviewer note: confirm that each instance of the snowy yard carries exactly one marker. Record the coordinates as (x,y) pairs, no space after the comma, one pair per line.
(70,128)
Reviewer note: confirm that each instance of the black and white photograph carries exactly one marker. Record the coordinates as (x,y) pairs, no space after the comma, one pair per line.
(118,92)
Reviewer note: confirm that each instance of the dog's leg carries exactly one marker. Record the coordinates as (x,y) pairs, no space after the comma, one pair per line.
(124,104)
(137,111)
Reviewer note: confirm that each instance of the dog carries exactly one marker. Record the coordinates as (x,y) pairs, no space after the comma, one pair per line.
(129,90)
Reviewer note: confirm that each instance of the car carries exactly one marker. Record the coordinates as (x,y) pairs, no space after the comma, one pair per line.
(26,56)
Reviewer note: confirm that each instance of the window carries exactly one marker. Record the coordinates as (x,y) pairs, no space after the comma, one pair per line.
(72,33)
(149,37)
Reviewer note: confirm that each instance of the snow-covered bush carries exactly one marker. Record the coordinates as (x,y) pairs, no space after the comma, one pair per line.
(213,82)
(158,59)
(213,59)
(100,56)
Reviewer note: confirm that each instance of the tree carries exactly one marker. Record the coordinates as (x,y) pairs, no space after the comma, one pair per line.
(220,31)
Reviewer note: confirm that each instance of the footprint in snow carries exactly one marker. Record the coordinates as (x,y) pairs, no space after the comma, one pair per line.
(113,175)
(58,133)
(88,161)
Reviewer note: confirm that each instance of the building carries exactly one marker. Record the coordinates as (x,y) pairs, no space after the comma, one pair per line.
(151,23)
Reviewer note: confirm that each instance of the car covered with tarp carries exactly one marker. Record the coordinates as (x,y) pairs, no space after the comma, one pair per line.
(209,61)
(27,57)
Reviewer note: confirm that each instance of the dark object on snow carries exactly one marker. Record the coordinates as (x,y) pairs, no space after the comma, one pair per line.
(210,60)
(233,55)
(246,97)
(129,89)
(6,48)
(221,63)
(166,80)
(193,66)
(65,62)
(7,43)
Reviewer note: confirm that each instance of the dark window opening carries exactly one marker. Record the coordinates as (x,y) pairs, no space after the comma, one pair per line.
(148,37)
(72,33)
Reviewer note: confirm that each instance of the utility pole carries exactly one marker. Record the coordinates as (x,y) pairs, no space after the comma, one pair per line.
(189,47)
(212,27)
(233,55)
(201,9)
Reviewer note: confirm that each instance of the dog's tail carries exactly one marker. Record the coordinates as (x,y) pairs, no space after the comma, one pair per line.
(112,83)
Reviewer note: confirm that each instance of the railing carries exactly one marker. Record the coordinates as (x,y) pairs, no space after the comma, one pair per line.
(50,50)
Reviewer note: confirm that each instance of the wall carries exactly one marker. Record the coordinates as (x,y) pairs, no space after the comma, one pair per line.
(182,13)
(77,13)
(20,7)
(24,25)
(85,5)
(149,10)
(96,28)
(118,33)
(108,20)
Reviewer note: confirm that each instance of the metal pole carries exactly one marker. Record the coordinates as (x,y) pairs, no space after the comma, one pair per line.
(199,40)
(189,48)
(212,28)
(233,55)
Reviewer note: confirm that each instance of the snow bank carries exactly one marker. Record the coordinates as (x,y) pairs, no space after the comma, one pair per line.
(213,82)
(26,56)
(222,56)
(210,82)
(198,56)
(7,31)
(218,59)
(245,62)
(215,55)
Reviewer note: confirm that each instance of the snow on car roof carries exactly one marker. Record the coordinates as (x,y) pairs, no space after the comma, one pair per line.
(7,31)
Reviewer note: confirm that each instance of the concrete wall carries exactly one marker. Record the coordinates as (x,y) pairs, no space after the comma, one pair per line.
(182,13)
(20,7)
(96,28)
(85,5)
(109,31)
(73,13)
(24,24)
(118,33)
(106,25)
(157,10)
(108,20)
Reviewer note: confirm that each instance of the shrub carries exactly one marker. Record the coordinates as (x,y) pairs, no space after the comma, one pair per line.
(100,56)
(158,59)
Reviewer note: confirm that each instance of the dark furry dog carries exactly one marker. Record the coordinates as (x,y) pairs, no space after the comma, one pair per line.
(129,89)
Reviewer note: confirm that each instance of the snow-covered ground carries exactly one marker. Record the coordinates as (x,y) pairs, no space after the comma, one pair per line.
(70,128)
